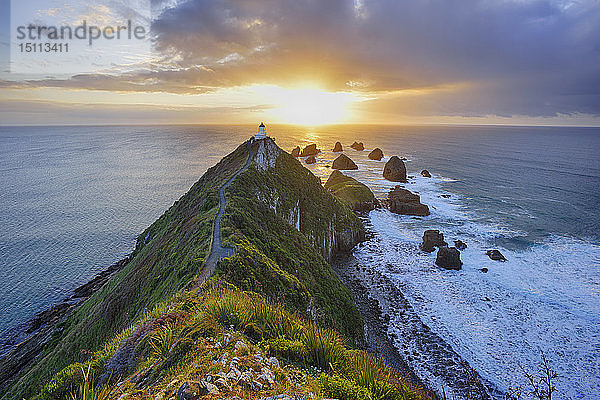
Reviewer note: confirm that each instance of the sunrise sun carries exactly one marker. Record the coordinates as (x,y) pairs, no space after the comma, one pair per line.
(307,105)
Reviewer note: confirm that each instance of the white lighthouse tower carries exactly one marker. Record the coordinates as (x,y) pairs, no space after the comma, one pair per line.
(261,134)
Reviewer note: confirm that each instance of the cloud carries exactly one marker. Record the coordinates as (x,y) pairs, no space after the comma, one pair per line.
(504,57)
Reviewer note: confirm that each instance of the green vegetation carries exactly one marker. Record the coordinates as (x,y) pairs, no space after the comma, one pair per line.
(150,329)
(351,192)
(278,260)
(217,323)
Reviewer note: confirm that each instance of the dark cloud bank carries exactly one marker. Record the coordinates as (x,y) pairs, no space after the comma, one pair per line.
(535,58)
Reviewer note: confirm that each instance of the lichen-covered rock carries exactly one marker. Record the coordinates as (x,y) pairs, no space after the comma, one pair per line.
(402,201)
(395,170)
(376,154)
(310,150)
(356,195)
(449,258)
(343,162)
(338,147)
(191,390)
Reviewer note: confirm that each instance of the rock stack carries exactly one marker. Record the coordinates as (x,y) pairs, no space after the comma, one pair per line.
(310,150)
(402,201)
(359,146)
(431,239)
(343,162)
(395,170)
(376,154)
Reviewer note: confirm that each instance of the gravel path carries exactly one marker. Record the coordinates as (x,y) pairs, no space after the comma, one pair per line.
(217,251)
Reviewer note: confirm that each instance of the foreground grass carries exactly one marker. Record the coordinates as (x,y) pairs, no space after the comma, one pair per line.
(194,335)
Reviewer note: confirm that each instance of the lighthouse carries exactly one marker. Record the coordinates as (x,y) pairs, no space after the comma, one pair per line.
(261,134)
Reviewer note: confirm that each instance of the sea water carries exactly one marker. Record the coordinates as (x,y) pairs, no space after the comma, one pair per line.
(74,200)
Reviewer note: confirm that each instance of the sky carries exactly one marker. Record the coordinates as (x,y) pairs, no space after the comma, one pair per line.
(312,62)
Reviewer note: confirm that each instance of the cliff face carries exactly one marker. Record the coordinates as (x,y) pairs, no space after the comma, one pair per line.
(281,183)
(285,227)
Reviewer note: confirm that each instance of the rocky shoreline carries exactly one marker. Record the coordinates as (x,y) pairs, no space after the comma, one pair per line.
(422,354)
(29,340)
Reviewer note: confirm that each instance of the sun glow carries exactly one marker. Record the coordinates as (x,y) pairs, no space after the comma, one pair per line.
(307,106)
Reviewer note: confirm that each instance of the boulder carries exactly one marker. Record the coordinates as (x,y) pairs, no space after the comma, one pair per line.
(351,192)
(359,146)
(432,238)
(310,150)
(449,258)
(402,201)
(376,154)
(343,162)
(426,173)
(311,160)
(338,147)
(191,390)
(459,244)
(395,170)
(495,255)
(296,152)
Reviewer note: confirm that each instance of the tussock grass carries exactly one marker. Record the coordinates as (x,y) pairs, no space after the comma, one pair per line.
(186,348)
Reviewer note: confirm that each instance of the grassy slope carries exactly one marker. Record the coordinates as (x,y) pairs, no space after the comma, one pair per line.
(167,256)
(193,333)
(276,259)
(347,189)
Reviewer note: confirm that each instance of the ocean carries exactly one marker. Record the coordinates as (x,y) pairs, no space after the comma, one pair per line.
(74,200)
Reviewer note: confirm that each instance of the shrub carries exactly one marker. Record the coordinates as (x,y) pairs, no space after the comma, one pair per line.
(324,348)
(291,349)
(342,388)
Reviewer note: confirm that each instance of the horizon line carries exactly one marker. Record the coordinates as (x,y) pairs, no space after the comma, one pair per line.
(308,125)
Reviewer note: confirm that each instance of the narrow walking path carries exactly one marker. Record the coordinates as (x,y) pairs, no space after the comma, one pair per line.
(217,251)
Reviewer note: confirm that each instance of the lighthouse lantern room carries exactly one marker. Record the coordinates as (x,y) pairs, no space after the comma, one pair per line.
(261,134)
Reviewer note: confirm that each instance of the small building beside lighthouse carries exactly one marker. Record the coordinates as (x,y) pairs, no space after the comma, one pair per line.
(261,134)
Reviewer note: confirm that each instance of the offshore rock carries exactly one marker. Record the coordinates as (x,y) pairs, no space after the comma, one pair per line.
(338,147)
(310,150)
(432,238)
(296,152)
(311,160)
(426,173)
(459,244)
(358,146)
(343,162)
(495,255)
(376,154)
(402,201)
(449,258)
(395,170)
